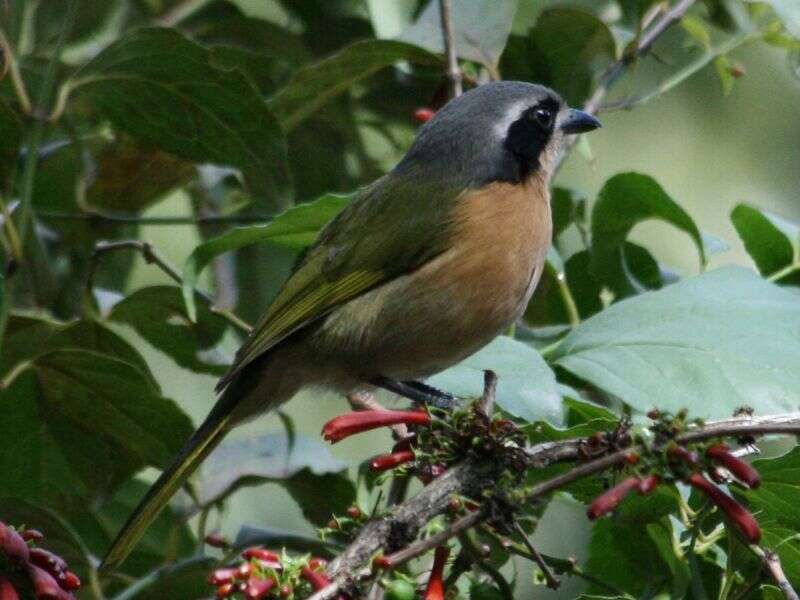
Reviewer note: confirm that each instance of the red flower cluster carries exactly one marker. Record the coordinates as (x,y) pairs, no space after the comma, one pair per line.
(265,574)
(48,573)
(680,458)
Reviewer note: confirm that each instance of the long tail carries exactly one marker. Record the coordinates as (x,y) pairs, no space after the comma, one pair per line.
(202,442)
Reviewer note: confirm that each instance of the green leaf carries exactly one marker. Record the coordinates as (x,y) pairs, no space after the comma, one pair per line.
(339,493)
(30,336)
(526,386)
(565,48)
(253,461)
(480,29)
(313,86)
(10,139)
(772,242)
(131,177)
(779,491)
(161,88)
(168,537)
(706,343)
(158,314)
(82,423)
(568,207)
(294,229)
(626,200)
(788,12)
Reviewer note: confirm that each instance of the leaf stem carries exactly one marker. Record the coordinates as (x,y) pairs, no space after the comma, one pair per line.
(784,272)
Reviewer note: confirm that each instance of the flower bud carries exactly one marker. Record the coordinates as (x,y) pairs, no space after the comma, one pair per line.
(424,114)
(435,589)
(739,516)
(744,472)
(610,499)
(12,545)
(385,462)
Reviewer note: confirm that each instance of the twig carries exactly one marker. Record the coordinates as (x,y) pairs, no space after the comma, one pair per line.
(151,256)
(11,67)
(772,562)
(486,403)
(552,582)
(180,12)
(453,72)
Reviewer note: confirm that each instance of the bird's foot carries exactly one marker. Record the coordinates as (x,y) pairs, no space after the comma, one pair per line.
(418,392)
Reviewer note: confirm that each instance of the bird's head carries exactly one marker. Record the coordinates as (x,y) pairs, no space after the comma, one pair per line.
(505,131)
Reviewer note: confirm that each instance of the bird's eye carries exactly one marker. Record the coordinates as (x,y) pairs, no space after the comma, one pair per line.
(544,117)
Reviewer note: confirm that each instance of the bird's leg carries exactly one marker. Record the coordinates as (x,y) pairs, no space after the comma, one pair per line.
(418,392)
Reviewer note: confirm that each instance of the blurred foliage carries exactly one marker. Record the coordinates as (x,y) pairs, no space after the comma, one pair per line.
(266,116)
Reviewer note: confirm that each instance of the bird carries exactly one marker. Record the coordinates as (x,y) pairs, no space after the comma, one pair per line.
(421,269)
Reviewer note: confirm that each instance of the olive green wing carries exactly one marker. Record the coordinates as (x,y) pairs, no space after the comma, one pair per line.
(389,229)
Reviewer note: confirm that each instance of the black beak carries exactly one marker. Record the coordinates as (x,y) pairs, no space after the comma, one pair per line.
(578,121)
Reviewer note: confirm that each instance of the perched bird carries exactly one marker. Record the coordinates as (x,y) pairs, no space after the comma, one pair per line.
(424,267)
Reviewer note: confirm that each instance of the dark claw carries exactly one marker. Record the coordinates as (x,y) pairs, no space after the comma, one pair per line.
(418,392)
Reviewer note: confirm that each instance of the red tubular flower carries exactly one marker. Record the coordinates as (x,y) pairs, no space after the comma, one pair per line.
(71,582)
(648,484)
(258,588)
(738,514)
(12,545)
(384,462)
(7,591)
(317,580)
(31,535)
(435,589)
(52,563)
(225,590)
(682,454)
(265,558)
(744,472)
(610,499)
(45,587)
(348,424)
(222,576)
(423,115)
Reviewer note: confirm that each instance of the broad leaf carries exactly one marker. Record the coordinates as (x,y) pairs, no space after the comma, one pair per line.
(29,336)
(83,422)
(131,177)
(294,229)
(160,87)
(564,50)
(707,343)
(626,200)
(313,86)
(480,29)
(269,457)
(158,314)
(568,207)
(772,242)
(526,385)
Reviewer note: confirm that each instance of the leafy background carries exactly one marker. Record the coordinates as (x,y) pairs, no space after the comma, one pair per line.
(250,107)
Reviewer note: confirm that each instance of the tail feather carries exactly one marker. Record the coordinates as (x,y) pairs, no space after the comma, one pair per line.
(202,442)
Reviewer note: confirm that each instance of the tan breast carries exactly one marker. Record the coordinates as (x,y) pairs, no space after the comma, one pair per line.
(502,235)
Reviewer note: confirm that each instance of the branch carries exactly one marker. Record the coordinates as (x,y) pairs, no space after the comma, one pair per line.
(453,72)
(773,564)
(151,256)
(393,534)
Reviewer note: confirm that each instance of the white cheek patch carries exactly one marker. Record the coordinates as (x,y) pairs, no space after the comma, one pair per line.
(513,113)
